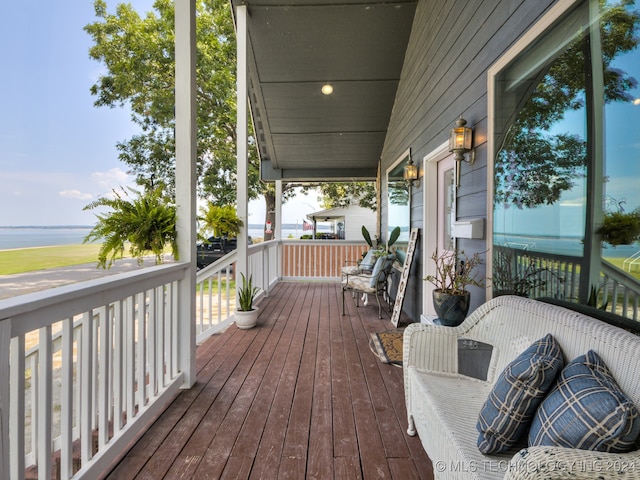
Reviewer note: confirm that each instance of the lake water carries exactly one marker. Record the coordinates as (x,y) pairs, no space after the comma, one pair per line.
(24,237)
(560,246)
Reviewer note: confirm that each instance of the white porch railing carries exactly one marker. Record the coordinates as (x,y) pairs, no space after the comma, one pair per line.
(619,291)
(216,286)
(318,259)
(86,365)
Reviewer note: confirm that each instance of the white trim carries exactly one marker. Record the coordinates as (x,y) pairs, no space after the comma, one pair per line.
(547,20)
(403,155)
(396,162)
(242,112)
(430,213)
(186,179)
(5,398)
(530,36)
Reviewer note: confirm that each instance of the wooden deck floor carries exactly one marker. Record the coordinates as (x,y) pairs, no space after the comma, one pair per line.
(299,396)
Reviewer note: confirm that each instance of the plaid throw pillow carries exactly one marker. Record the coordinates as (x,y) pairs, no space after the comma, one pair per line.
(522,385)
(586,410)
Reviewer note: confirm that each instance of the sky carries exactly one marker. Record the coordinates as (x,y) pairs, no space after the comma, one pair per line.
(622,167)
(57,151)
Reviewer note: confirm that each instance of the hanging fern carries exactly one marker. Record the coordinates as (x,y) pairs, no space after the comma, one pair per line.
(621,228)
(143,222)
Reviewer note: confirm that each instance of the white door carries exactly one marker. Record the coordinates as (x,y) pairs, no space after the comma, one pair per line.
(439,215)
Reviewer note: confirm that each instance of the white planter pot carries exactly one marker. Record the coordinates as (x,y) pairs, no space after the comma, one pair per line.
(246,320)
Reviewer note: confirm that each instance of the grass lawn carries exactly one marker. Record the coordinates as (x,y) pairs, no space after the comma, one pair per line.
(635,272)
(39,258)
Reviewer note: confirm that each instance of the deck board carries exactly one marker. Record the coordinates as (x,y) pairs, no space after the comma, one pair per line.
(299,396)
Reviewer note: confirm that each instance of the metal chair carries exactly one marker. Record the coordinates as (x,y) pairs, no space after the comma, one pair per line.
(363,266)
(376,283)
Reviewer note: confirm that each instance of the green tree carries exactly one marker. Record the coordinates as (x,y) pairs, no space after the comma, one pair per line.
(336,195)
(221,220)
(534,166)
(138,53)
(145,222)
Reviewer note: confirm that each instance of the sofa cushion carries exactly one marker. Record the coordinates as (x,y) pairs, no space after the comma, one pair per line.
(368,261)
(445,408)
(379,270)
(586,409)
(516,395)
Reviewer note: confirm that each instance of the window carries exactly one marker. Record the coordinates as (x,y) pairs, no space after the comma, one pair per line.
(565,110)
(398,204)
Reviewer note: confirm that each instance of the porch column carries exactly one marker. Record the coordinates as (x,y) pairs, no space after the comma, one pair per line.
(278,212)
(5,344)
(186,154)
(242,160)
(590,274)
(279,228)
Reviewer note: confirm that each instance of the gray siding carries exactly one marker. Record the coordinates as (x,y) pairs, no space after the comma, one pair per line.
(452,45)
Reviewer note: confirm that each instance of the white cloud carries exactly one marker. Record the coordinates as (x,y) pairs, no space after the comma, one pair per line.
(295,210)
(54,198)
(576,202)
(75,194)
(113,178)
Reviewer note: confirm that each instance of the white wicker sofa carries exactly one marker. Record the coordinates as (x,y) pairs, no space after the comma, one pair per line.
(443,405)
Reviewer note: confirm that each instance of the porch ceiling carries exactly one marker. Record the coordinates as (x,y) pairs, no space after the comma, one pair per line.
(296,47)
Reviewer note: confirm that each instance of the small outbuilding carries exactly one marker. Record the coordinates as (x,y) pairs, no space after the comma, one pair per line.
(345,222)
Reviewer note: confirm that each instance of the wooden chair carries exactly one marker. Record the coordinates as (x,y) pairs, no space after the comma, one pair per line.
(376,283)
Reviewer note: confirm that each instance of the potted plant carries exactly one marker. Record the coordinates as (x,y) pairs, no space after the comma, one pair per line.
(454,272)
(382,250)
(367,238)
(620,228)
(247,313)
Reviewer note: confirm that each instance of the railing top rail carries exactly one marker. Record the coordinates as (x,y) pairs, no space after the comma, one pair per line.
(262,245)
(223,262)
(535,254)
(217,266)
(297,241)
(620,276)
(69,300)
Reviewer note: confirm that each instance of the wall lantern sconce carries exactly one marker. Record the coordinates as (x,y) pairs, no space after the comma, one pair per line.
(461,143)
(410,174)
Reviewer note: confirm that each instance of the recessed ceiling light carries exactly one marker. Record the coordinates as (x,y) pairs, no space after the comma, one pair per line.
(636,101)
(327,89)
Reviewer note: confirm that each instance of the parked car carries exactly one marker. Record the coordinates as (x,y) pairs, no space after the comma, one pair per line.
(214,249)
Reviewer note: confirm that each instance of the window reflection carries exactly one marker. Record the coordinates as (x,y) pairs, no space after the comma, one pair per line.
(565,119)
(398,204)
(449,194)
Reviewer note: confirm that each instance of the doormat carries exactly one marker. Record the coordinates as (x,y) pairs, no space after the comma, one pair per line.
(387,346)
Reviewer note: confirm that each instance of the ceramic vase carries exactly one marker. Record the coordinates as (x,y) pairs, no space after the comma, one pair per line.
(451,309)
(246,319)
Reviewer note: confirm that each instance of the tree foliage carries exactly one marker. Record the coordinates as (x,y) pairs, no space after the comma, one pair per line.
(138,53)
(222,220)
(535,166)
(145,222)
(335,195)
